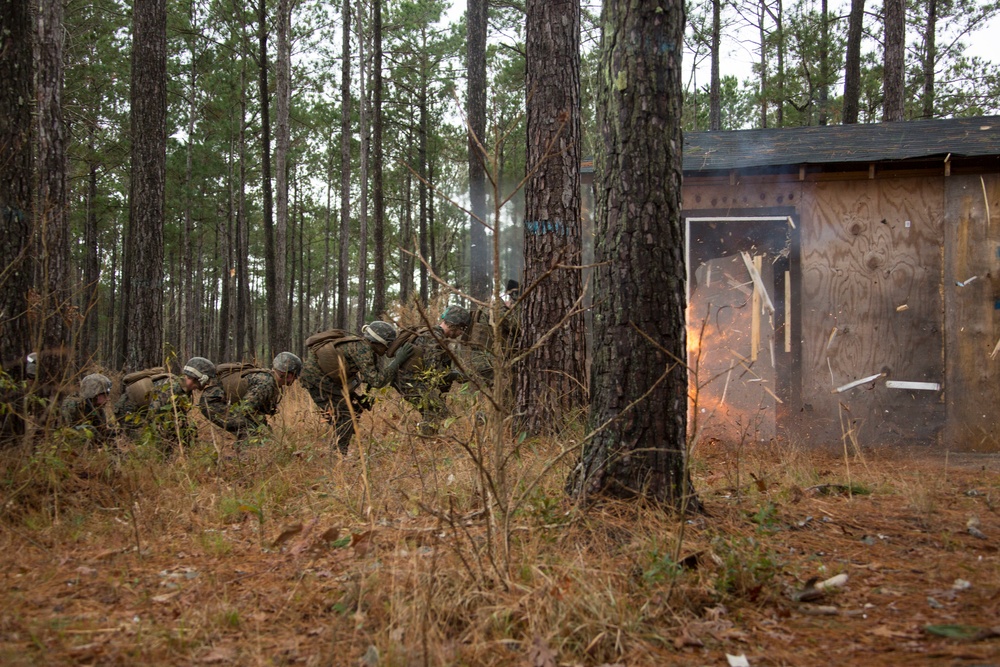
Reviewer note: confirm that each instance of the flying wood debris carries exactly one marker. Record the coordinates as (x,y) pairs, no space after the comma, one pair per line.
(857,383)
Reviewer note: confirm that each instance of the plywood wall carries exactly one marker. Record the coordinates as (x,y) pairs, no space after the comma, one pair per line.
(869,247)
(972,315)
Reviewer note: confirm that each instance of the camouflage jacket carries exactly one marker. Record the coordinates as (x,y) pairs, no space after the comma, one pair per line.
(430,365)
(362,367)
(169,400)
(250,412)
(80,414)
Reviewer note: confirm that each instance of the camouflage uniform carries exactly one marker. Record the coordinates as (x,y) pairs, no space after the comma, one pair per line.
(81,415)
(428,375)
(328,393)
(169,400)
(249,414)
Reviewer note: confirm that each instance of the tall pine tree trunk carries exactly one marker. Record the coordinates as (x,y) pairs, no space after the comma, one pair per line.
(141,332)
(638,388)
(91,267)
(930,58)
(16,169)
(852,63)
(824,63)
(53,222)
(363,176)
(715,94)
(550,385)
(272,284)
(422,168)
(345,167)
(281,339)
(378,194)
(479,253)
(893,107)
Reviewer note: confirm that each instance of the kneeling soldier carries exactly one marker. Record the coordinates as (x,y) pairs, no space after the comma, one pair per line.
(84,412)
(336,357)
(248,396)
(164,405)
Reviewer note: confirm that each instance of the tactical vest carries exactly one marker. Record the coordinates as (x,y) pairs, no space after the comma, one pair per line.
(139,384)
(233,379)
(325,345)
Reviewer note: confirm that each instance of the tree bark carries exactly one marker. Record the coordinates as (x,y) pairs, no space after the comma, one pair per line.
(824,63)
(275,289)
(53,223)
(363,175)
(92,269)
(550,386)
(281,338)
(715,94)
(16,169)
(480,270)
(378,194)
(142,309)
(244,318)
(852,63)
(422,168)
(345,167)
(930,58)
(638,389)
(893,108)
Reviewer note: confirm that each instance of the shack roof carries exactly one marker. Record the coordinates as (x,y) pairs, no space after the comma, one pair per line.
(875,142)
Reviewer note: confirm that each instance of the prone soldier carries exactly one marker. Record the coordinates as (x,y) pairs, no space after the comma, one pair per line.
(84,411)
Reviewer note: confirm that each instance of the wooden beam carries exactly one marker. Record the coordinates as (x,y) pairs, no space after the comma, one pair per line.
(755,312)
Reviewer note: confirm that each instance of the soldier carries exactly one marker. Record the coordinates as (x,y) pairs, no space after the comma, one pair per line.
(84,412)
(168,403)
(429,375)
(321,376)
(255,396)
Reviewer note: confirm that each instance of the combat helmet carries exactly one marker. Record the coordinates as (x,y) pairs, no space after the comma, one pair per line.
(200,369)
(94,385)
(286,362)
(31,365)
(456,316)
(379,332)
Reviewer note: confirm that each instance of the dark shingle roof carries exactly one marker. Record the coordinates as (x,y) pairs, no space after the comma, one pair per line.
(968,137)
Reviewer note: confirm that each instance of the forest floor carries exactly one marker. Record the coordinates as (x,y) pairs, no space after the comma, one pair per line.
(286,553)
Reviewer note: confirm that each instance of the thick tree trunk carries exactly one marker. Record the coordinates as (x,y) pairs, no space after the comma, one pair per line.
(345,167)
(378,194)
(852,63)
(329,232)
(244,319)
(893,108)
(480,271)
(16,169)
(550,385)
(638,389)
(422,170)
(189,309)
(142,308)
(281,339)
(53,223)
(226,256)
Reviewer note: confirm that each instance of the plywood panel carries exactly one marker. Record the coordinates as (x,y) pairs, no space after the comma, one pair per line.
(972,318)
(868,249)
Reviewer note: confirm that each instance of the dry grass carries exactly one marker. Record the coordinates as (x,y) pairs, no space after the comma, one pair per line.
(117,557)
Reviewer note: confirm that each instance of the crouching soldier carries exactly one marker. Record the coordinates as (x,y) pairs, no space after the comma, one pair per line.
(426,378)
(84,412)
(161,401)
(246,396)
(337,365)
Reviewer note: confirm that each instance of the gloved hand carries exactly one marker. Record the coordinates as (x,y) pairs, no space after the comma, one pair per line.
(402,354)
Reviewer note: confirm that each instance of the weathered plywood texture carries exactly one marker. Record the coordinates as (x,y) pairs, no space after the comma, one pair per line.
(860,263)
(868,249)
(972,318)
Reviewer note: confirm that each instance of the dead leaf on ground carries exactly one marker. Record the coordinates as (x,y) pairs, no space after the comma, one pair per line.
(540,655)
(219,654)
(165,597)
(287,534)
(361,542)
(686,639)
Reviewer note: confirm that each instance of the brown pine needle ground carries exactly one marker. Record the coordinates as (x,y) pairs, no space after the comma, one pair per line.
(119,558)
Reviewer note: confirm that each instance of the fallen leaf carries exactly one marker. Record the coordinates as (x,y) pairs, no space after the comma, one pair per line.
(361,542)
(219,654)
(287,534)
(540,655)
(164,597)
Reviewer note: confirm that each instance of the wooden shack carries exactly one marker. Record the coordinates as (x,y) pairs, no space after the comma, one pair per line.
(844,283)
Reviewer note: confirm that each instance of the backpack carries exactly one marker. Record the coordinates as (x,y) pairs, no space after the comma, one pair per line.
(232,378)
(139,384)
(479,334)
(324,345)
(416,360)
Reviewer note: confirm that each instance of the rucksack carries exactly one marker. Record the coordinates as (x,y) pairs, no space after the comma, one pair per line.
(139,384)
(416,360)
(325,346)
(233,378)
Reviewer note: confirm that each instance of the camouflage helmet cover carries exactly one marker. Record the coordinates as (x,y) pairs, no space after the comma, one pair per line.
(200,369)
(286,362)
(94,385)
(379,332)
(456,315)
